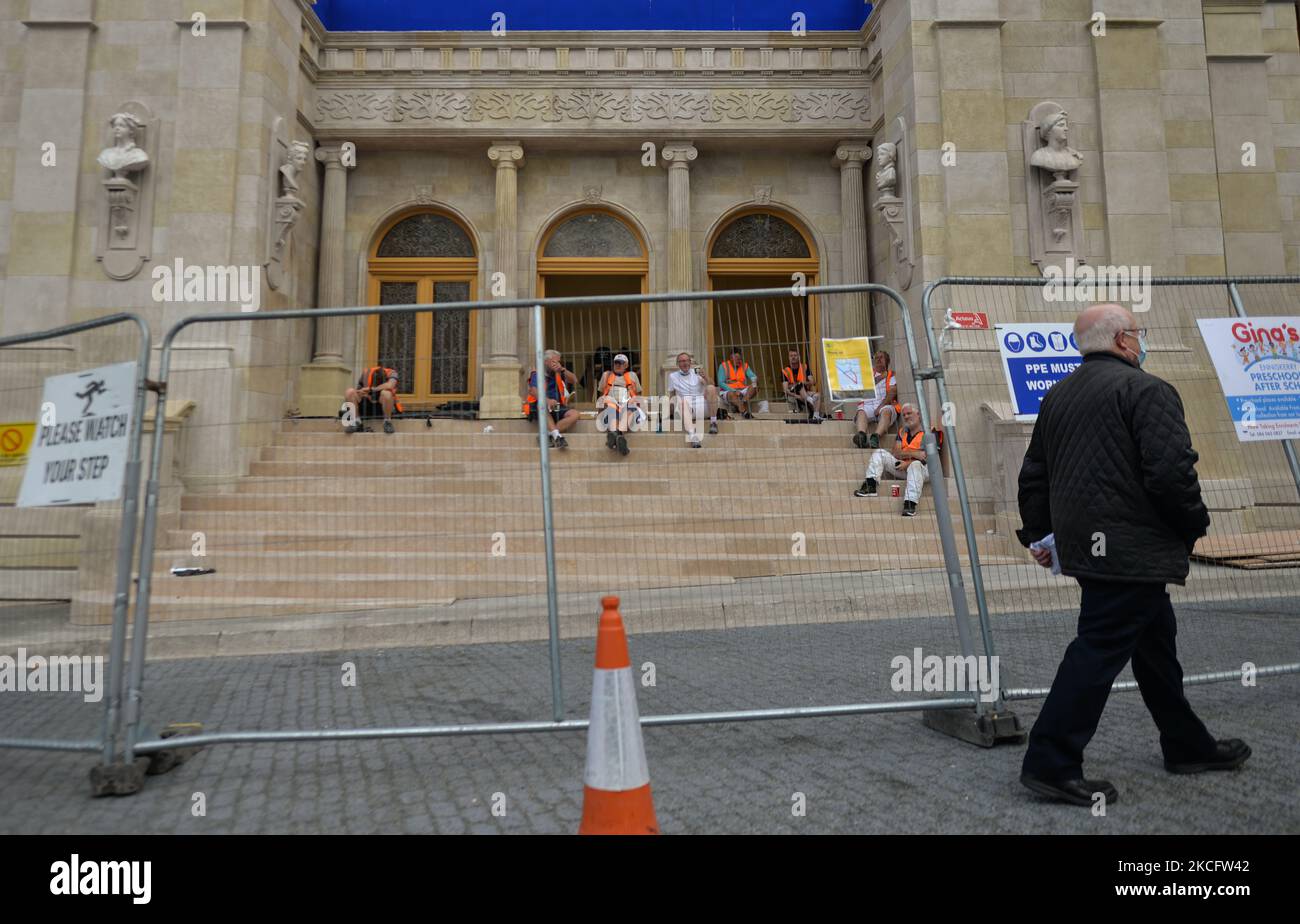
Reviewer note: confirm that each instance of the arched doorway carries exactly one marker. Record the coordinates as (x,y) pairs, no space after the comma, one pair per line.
(761,249)
(594,252)
(419,258)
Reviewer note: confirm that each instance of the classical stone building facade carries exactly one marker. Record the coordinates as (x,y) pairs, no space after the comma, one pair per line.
(438,165)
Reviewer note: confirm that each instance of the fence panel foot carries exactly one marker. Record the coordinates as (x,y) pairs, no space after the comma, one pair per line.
(125,779)
(983,730)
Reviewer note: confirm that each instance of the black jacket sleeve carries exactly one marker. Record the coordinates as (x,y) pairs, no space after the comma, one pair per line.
(1168,462)
(1034,498)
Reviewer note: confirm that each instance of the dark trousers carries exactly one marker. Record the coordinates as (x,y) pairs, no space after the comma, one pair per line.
(1116,622)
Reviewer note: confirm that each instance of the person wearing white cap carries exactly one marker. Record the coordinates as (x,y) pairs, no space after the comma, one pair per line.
(691,392)
(618,401)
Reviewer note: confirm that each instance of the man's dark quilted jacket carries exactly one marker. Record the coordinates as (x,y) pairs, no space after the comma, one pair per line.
(1111,454)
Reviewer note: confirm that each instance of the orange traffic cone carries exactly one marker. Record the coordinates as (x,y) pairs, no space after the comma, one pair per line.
(616,788)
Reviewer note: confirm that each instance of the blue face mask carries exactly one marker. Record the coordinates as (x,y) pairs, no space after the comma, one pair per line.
(1142,350)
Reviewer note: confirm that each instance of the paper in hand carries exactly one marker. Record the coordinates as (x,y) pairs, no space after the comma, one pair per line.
(1048,542)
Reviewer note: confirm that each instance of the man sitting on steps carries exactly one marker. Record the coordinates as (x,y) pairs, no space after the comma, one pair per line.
(375,394)
(619,404)
(882,407)
(690,393)
(737,383)
(906,461)
(560,384)
(798,382)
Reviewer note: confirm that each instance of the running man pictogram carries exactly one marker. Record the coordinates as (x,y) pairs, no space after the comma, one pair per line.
(94,388)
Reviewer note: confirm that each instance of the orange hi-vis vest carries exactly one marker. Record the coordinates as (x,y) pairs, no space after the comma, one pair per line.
(737,377)
(889,381)
(560,389)
(628,382)
(387,374)
(790,376)
(913,441)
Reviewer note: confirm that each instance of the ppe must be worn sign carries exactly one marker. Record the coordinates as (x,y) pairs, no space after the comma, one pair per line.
(1258,364)
(79,451)
(1034,358)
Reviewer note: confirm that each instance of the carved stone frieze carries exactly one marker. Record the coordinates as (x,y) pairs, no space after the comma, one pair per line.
(581,106)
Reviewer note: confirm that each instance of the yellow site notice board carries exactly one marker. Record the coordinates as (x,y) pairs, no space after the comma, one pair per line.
(15,440)
(848,367)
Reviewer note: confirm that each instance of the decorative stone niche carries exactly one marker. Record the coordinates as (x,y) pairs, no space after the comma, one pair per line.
(287,160)
(1052,181)
(129,160)
(893,202)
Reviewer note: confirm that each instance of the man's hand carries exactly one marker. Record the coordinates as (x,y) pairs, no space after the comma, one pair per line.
(1042,556)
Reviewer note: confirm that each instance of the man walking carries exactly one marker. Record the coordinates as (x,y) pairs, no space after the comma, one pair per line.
(1111,473)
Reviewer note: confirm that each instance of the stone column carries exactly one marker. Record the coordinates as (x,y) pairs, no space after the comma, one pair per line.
(500,397)
(322,383)
(854,316)
(679,317)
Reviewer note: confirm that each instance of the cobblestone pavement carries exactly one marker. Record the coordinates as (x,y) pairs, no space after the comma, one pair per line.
(869,774)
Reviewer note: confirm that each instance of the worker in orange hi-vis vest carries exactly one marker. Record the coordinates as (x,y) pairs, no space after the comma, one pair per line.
(560,385)
(618,403)
(375,393)
(798,383)
(907,461)
(882,407)
(737,384)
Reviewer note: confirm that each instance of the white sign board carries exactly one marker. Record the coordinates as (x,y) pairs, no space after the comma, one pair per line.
(1034,358)
(79,453)
(1258,364)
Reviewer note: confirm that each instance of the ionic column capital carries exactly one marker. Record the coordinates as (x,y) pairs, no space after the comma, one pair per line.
(851,154)
(507,155)
(679,154)
(331,155)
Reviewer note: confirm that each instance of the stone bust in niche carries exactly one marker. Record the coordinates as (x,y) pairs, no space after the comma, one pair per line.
(294,160)
(1056,155)
(886,173)
(125,156)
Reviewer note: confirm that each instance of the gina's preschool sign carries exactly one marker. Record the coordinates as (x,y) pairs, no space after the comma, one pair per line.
(1258,364)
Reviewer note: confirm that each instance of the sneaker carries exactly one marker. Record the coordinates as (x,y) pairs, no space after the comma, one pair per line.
(561,443)
(868,489)
(873,441)
(697,441)
(611,439)
(860,440)
(713,428)
(355,428)
(622,444)
(388,426)
(909,508)
(550,441)
(747,415)
(722,413)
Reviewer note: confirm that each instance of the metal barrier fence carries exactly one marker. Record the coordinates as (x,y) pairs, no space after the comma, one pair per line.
(73,661)
(1241,603)
(746,600)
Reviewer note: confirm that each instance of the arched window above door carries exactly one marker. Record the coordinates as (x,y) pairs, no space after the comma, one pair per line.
(760,235)
(425,234)
(593,234)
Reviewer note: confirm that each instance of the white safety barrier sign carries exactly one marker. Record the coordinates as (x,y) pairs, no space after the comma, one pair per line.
(83,434)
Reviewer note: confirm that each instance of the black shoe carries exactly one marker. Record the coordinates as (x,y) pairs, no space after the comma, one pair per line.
(874,441)
(747,415)
(622,444)
(561,443)
(860,440)
(868,489)
(722,414)
(909,508)
(355,428)
(1229,754)
(1076,792)
(713,428)
(388,426)
(611,439)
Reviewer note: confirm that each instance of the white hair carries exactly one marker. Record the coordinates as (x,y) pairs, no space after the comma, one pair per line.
(1100,337)
(904,408)
(551,353)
